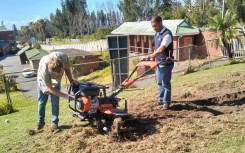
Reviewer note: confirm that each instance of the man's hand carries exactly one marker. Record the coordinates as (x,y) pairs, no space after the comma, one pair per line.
(146,58)
(74,82)
(70,96)
(168,59)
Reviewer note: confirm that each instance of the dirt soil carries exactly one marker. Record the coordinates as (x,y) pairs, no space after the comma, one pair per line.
(194,119)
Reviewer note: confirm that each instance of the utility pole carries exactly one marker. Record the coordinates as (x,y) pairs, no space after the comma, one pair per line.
(223,8)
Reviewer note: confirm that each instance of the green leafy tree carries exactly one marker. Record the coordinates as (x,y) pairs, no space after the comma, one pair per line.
(37,46)
(128,8)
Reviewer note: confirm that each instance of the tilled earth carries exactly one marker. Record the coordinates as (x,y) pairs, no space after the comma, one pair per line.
(195,119)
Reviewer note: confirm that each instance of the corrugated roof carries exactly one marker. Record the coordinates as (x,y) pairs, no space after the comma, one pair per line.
(75,52)
(177,27)
(3,43)
(27,47)
(36,54)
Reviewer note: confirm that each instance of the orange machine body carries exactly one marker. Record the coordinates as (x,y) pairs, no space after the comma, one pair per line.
(86,103)
(107,109)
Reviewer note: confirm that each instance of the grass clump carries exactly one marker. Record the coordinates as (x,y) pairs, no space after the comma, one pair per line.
(189,70)
(6,109)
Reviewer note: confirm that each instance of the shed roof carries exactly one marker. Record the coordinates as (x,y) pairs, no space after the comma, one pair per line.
(177,27)
(3,43)
(75,52)
(24,49)
(36,54)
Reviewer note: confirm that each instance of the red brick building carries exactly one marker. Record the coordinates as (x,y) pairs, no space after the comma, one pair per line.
(141,36)
(208,41)
(6,37)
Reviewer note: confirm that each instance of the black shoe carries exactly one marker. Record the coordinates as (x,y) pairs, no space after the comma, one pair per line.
(160,103)
(55,128)
(40,126)
(165,106)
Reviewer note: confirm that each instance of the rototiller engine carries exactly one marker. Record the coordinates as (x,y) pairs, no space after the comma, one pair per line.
(92,104)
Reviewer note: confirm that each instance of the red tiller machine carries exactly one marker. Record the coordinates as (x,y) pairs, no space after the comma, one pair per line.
(91,103)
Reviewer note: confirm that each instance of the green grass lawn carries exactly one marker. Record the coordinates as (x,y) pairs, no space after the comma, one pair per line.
(14,134)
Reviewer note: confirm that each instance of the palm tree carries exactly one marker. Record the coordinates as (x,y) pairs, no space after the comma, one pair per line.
(224,28)
(25,30)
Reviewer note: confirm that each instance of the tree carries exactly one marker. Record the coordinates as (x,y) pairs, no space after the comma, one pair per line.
(128,8)
(238,7)
(15,30)
(101,17)
(144,9)
(201,12)
(166,8)
(25,30)
(224,28)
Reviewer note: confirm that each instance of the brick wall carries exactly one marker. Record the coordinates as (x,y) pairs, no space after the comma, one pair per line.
(213,48)
(184,52)
(7,35)
(88,68)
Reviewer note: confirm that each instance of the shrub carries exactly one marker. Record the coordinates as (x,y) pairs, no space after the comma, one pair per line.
(102,32)
(74,36)
(55,38)
(189,70)
(11,83)
(104,57)
(1,69)
(37,46)
(6,109)
(79,37)
(233,61)
(242,61)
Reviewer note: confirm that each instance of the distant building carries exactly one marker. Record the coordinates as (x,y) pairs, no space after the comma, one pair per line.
(82,57)
(4,48)
(7,39)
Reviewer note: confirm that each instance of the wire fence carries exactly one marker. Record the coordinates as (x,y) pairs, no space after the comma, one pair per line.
(16,84)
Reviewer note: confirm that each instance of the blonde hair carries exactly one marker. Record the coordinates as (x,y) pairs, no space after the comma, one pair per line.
(55,65)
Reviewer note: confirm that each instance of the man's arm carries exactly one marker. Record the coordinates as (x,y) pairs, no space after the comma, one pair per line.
(167,39)
(158,51)
(69,74)
(56,92)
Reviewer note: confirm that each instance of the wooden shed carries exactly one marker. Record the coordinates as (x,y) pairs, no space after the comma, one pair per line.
(22,54)
(34,56)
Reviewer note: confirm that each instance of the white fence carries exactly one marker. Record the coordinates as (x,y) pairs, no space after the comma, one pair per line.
(89,46)
(237,49)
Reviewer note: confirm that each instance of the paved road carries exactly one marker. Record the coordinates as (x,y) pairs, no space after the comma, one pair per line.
(11,64)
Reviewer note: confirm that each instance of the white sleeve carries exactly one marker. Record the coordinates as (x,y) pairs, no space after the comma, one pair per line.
(167,39)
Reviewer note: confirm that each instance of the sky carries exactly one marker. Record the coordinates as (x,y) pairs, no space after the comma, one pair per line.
(21,12)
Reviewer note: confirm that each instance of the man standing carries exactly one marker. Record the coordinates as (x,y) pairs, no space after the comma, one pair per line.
(50,71)
(163,53)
